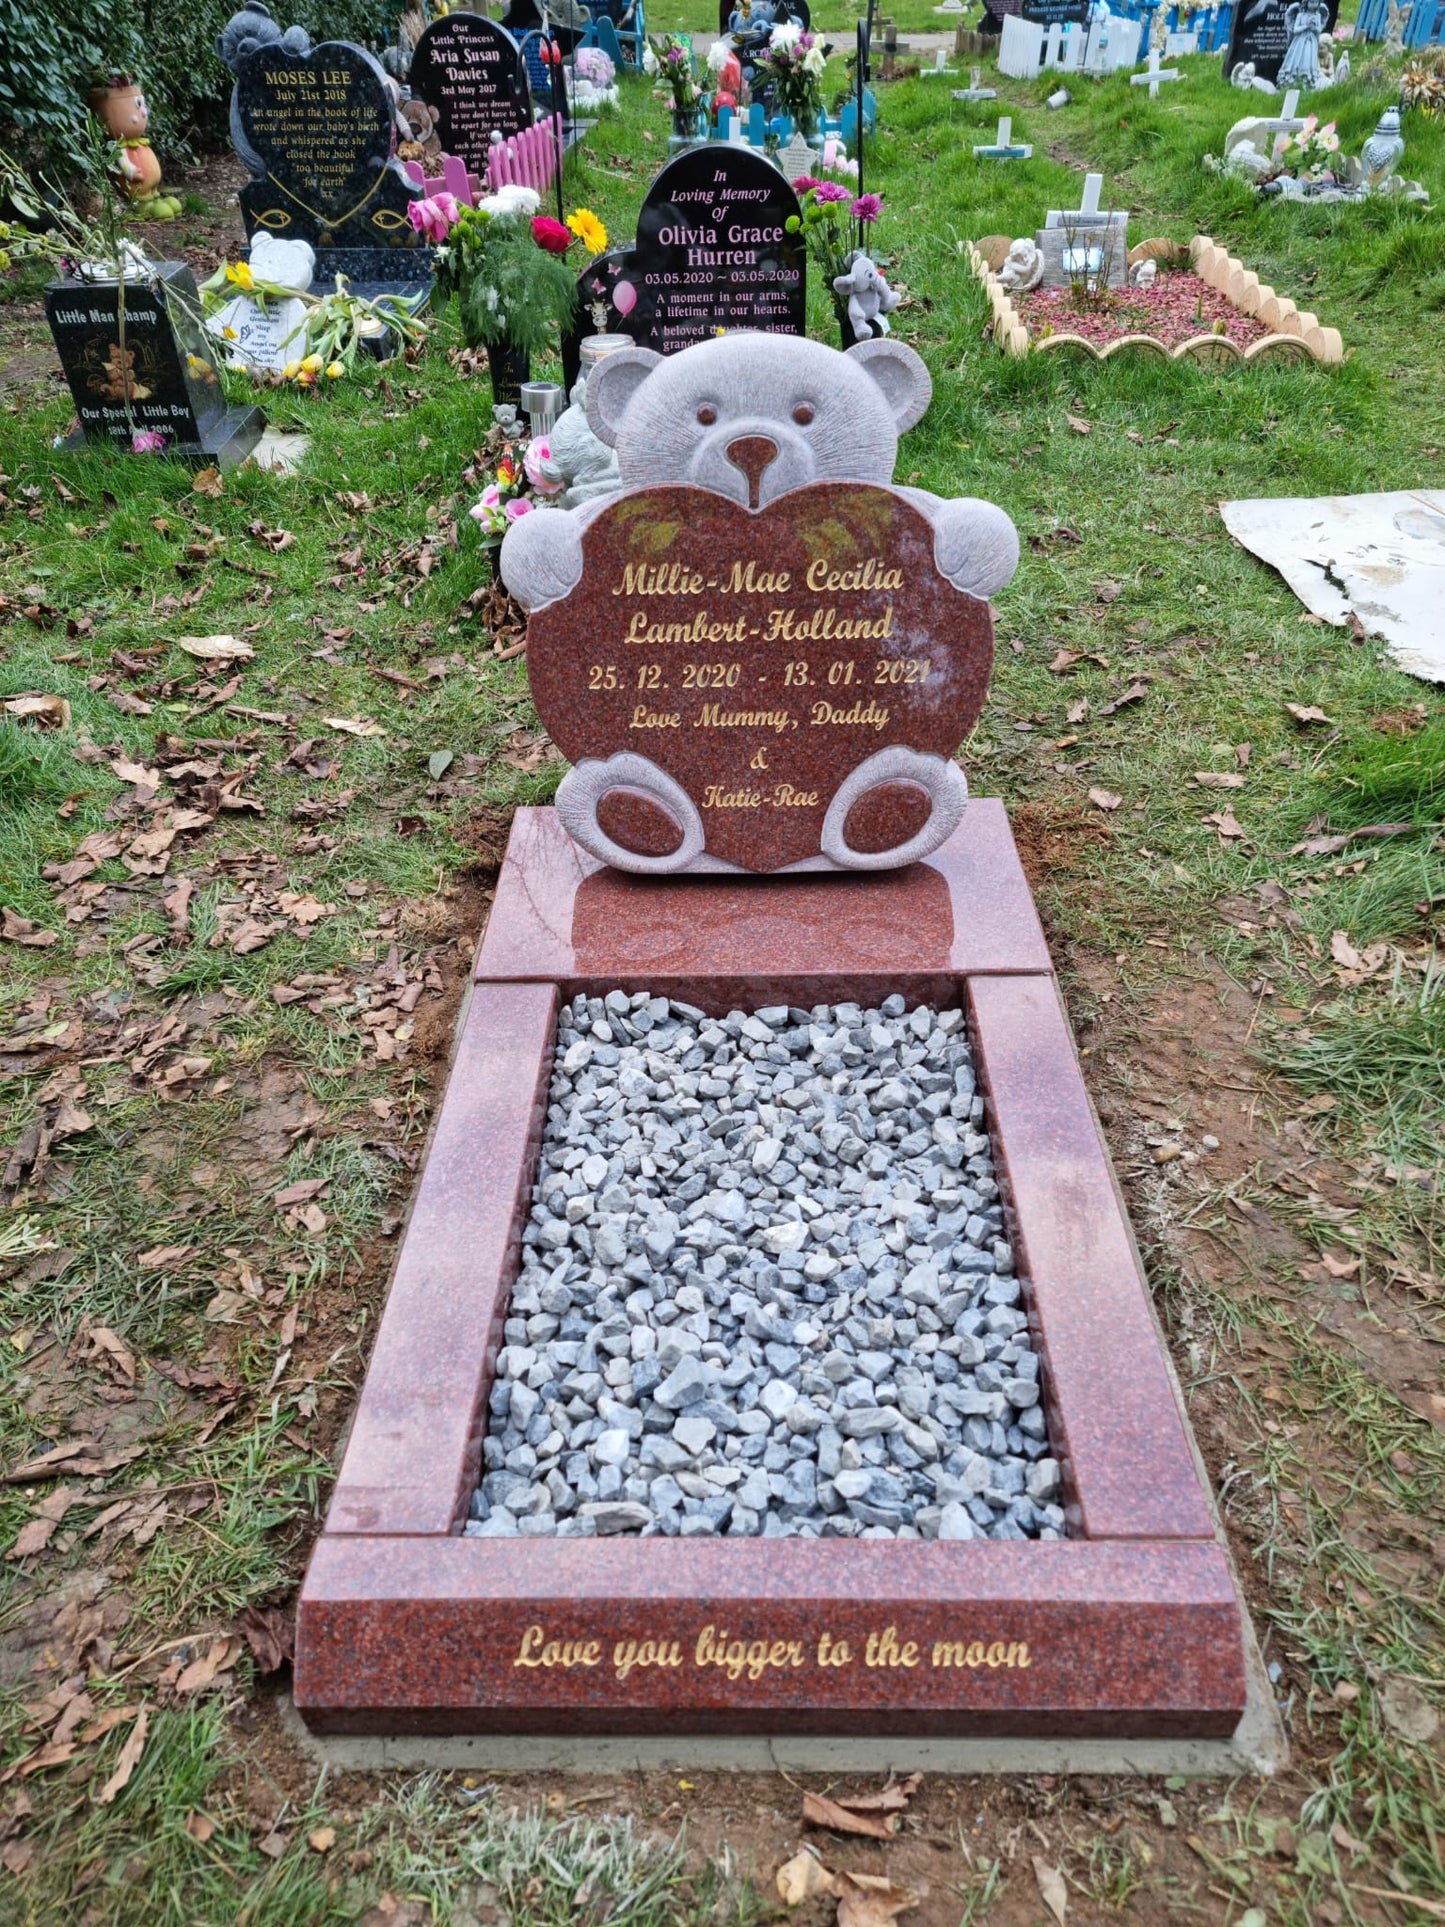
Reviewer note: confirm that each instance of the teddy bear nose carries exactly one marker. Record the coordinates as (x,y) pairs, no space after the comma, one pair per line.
(752,453)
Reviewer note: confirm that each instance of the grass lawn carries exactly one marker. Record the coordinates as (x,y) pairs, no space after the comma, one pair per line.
(217,1077)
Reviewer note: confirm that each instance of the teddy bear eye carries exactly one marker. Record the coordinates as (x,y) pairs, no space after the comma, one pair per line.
(803,413)
(707,414)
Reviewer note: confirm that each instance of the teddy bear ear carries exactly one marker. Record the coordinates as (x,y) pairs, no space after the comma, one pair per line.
(611,386)
(906,384)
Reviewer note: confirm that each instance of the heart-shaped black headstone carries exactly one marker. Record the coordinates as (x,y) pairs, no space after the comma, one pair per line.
(321,124)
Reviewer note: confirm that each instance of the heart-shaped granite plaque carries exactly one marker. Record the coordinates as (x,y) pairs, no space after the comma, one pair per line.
(763,662)
(320,123)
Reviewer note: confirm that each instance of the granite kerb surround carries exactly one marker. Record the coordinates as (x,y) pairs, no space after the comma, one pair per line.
(1130,1627)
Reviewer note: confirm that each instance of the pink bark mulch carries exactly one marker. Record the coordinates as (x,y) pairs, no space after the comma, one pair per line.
(1170,311)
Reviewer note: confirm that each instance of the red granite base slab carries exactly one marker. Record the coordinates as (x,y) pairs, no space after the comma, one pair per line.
(1129,1628)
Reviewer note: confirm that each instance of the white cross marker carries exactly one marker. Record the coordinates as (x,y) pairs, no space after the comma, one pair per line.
(1152,77)
(1093,188)
(1005,130)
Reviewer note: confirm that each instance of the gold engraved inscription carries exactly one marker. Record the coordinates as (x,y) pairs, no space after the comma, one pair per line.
(744,1657)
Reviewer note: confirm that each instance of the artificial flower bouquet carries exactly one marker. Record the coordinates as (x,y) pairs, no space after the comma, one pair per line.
(791,67)
(669,61)
(1310,153)
(592,82)
(335,328)
(511,285)
(828,212)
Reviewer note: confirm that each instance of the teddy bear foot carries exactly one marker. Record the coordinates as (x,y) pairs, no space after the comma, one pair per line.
(895,808)
(629,813)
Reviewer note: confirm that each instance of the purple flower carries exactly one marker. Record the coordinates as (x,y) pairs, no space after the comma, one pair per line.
(867,207)
(803,183)
(148,441)
(829,191)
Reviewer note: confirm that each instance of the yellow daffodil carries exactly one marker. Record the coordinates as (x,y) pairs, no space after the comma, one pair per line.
(291,371)
(239,274)
(312,365)
(336,371)
(229,334)
(589,230)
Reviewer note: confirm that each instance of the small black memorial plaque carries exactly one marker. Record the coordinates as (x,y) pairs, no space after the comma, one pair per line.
(470,72)
(1260,34)
(713,252)
(148,371)
(318,126)
(1043,13)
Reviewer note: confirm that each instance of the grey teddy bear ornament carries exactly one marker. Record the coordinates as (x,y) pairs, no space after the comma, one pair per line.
(869,297)
(585,466)
(248,32)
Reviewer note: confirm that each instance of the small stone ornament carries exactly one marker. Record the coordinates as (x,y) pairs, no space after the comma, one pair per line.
(1024,267)
(761,655)
(582,467)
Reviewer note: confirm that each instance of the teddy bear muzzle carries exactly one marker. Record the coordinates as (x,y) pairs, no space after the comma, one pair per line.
(753,454)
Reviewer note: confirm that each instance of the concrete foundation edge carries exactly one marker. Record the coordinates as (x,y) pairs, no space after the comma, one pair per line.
(1257,1747)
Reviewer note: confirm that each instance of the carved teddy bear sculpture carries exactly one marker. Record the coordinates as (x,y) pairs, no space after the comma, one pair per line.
(585,467)
(869,297)
(752,426)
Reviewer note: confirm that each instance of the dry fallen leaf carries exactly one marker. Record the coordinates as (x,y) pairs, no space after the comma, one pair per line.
(868,1900)
(206,481)
(1079,425)
(874,1815)
(1105,799)
(1213,779)
(50,712)
(199,1828)
(1052,1890)
(270,1633)
(202,1672)
(129,1759)
(1307,713)
(1227,824)
(216,648)
(164,1257)
(802,1877)
(321,1839)
(1406,1710)
(18,929)
(355,726)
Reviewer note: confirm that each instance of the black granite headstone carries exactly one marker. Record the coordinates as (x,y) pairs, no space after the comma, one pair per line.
(149,369)
(320,126)
(1259,34)
(712,252)
(470,72)
(1043,13)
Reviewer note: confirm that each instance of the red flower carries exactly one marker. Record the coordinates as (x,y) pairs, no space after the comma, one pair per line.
(550,234)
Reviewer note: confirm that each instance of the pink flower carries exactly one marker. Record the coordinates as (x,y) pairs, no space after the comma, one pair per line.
(829,191)
(550,234)
(516,508)
(491,501)
(539,450)
(435,218)
(148,441)
(867,207)
(803,183)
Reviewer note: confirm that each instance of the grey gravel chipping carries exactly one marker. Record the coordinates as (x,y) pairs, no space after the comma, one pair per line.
(765,1289)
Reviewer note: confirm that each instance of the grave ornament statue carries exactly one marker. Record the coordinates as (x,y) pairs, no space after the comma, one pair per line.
(761,654)
(578,463)
(1023,267)
(1304,21)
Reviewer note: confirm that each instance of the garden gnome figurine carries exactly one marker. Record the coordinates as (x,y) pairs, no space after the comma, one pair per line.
(1383,151)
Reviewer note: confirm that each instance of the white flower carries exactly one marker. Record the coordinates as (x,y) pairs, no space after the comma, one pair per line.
(719,54)
(813,61)
(649,59)
(788,34)
(511,199)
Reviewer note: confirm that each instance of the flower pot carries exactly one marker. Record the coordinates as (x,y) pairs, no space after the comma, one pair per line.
(845,326)
(508,366)
(689,127)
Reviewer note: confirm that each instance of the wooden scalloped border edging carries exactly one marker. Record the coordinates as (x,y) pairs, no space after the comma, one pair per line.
(1294,332)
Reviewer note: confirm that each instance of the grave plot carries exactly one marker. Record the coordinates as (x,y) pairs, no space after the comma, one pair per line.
(1079,286)
(768,1351)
